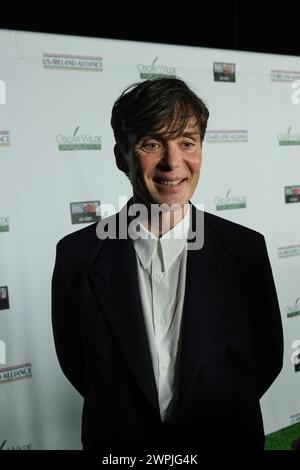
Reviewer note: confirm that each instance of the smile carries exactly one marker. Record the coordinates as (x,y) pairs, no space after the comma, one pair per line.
(171,183)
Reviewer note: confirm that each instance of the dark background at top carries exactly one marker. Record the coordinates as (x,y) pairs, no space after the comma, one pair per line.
(250,26)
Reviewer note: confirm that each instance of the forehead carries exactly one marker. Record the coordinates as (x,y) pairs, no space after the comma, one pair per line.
(176,128)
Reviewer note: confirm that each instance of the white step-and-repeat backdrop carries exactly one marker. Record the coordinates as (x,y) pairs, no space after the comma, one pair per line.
(57,168)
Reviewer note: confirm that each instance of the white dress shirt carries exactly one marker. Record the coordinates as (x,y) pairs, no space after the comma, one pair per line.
(161,267)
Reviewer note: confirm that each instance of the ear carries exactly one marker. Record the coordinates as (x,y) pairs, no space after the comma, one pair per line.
(120,159)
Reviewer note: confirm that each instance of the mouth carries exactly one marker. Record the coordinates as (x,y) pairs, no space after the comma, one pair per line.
(172,183)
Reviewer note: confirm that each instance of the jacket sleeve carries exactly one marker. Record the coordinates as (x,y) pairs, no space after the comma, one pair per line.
(269,335)
(65,324)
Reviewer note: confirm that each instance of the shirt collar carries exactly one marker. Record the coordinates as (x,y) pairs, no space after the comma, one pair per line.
(168,246)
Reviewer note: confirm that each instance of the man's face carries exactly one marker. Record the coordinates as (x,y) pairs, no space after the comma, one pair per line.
(165,169)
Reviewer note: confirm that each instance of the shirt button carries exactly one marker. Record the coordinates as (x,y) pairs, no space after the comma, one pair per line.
(161,321)
(158,275)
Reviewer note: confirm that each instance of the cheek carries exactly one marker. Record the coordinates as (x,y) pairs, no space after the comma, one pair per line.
(195,164)
(142,174)
(138,167)
(147,169)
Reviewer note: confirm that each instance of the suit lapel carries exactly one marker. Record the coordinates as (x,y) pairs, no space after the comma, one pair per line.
(204,298)
(114,278)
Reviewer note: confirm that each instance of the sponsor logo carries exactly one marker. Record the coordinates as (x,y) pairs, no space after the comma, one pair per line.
(2,92)
(85,212)
(18,372)
(292,194)
(4,224)
(4,302)
(78,141)
(4,445)
(284,75)
(289,138)
(226,136)
(224,72)
(4,139)
(72,62)
(294,310)
(286,251)
(295,418)
(230,202)
(155,70)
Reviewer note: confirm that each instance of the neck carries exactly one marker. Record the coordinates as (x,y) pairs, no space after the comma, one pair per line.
(158,221)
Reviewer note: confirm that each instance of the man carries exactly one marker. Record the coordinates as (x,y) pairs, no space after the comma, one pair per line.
(170,344)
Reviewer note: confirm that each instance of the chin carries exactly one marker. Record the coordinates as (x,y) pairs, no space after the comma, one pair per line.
(171,202)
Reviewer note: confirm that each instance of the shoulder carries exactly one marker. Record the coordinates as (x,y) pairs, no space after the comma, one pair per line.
(81,244)
(232,233)
(78,244)
(86,234)
(231,227)
(246,245)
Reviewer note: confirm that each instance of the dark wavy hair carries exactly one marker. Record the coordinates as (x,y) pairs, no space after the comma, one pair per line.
(153,105)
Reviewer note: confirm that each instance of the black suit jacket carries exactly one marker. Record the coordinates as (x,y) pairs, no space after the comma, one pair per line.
(231,349)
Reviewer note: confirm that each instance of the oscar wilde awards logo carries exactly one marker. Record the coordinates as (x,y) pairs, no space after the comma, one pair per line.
(85,212)
(290,138)
(72,62)
(78,141)
(230,202)
(293,310)
(155,70)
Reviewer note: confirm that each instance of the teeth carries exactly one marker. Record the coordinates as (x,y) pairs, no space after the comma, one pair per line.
(170,183)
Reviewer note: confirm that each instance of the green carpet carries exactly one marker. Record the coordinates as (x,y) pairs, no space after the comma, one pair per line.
(283,439)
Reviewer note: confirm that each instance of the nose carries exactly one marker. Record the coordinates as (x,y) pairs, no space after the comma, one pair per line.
(171,156)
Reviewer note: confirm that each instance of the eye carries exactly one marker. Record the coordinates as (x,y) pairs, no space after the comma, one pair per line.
(187,145)
(150,146)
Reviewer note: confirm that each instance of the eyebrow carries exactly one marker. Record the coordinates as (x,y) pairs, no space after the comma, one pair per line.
(157,135)
(191,133)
